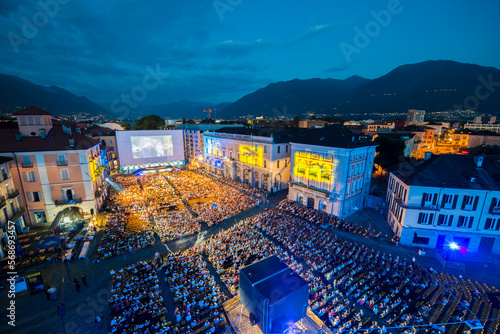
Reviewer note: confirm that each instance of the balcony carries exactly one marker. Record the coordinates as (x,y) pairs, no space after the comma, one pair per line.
(13,194)
(65,202)
(27,164)
(18,213)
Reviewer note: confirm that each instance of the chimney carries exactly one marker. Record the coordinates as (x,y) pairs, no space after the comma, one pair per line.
(18,136)
(43,135)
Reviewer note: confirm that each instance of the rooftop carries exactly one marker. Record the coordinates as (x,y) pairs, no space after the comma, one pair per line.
(331,136)
(5,159)
(56,140)
(32,111)
(455,171)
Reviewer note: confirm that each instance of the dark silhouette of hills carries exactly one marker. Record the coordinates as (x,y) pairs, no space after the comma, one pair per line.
(17,93)
(431,85)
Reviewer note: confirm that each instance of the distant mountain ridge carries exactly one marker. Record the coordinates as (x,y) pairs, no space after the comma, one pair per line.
(18,93)
(432,85)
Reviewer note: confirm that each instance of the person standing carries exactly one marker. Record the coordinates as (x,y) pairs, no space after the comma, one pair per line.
(77,284)
(84,280)
(98,320)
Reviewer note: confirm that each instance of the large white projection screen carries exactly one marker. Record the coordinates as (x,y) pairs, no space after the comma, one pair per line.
(149,146)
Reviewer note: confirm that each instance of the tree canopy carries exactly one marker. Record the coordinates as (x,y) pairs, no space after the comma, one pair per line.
(389,151)
(151,122)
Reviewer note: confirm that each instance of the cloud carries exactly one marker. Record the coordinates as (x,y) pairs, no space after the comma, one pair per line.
(318,29)
(335,69)
(233,49)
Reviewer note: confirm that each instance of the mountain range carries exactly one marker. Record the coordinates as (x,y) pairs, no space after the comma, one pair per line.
(432,85)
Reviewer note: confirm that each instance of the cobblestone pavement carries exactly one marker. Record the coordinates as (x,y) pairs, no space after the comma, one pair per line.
(36,314)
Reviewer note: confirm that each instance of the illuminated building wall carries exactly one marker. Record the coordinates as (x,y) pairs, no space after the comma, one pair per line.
(334,180)
(256,160)
(252,155)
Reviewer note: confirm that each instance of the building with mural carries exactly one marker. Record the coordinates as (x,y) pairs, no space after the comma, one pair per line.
(257,156)
(331,169)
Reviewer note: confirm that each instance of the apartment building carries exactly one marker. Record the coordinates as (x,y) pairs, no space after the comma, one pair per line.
(448,198)
(55,169)
(193,138)
(257,156)
(331,169)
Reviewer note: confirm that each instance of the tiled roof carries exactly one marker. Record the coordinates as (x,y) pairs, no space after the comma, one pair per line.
(31,111)
(56,140)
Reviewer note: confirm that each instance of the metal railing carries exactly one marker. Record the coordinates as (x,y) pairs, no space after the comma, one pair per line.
(64,202)
(13,194)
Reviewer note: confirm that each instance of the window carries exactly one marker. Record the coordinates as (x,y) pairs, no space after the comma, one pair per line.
(27,162)
(265,149)
(470,203)
(449,201)
(61,160)
(278,164)
(64,174)
(265,164)
(23,120)
(35,196)
(4,173)
(279,149)
(492,224)
(111,141)
(464,221)
(445,220)
(429,200)
(286,162)
(420,240)
(37,121)
(495,205)
(30,120)
(425,218)
(30,176)
(286,148)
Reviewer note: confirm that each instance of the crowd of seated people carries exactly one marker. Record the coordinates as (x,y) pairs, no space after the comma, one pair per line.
(235,184)
(224,201)
(170,217)
(124,233)
(323,218)
(234,248)
(197,298)
(136,304)
(397,292)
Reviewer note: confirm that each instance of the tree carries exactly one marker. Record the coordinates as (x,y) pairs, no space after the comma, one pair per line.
(389,151)
(127,126)
(151,122)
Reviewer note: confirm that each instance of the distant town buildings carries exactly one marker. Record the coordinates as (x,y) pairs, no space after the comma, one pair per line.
(449,198)
(415,116)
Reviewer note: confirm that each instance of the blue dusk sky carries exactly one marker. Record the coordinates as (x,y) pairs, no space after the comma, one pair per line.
(216,51)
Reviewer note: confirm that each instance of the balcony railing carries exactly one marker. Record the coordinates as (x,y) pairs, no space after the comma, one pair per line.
(64,202)
(27,164)
(18,213)
(13,194)
(62,163)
